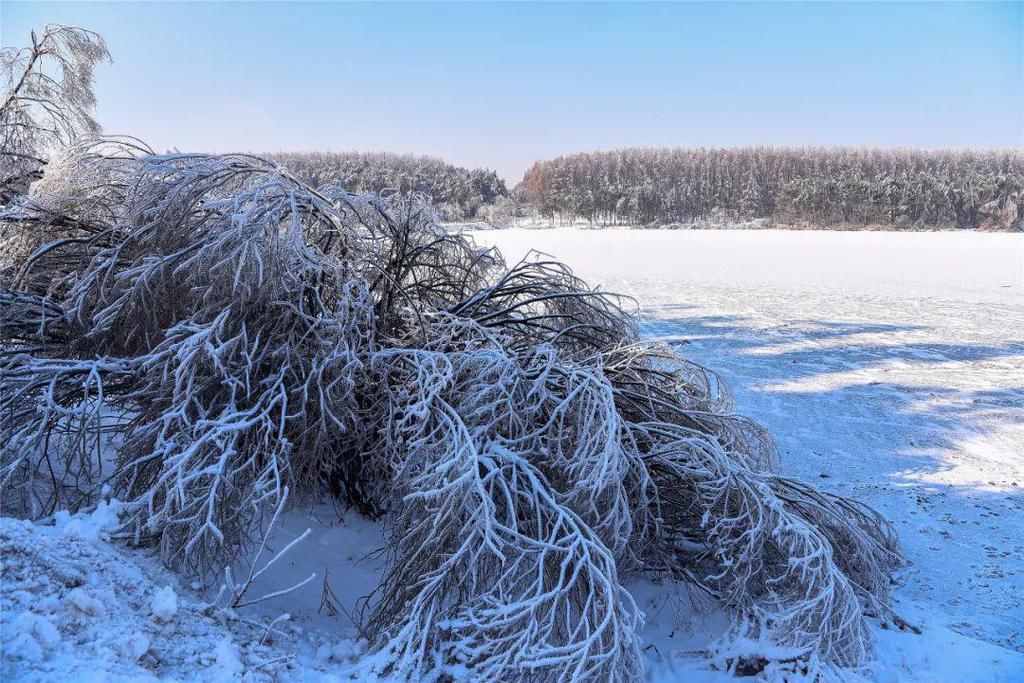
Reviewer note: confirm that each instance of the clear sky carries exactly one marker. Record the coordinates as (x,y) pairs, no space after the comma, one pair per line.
(504,84)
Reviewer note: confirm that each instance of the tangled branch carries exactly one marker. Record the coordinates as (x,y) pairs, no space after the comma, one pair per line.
(208,333)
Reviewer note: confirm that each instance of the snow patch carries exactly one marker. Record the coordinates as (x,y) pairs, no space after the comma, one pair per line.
(93,526)
(86,603)
(164,604)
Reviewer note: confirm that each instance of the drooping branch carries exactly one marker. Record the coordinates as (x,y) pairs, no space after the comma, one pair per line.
(238,334)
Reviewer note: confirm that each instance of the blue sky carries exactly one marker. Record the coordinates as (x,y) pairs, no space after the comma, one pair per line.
(504,84)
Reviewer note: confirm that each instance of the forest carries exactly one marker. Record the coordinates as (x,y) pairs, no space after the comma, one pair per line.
(790,187)
(456,192)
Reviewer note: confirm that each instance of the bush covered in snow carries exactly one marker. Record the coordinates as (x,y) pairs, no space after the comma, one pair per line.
(235,332)
(197,335)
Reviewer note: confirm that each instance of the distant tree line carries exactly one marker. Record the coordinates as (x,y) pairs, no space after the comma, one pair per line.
(789,186)
(457,193)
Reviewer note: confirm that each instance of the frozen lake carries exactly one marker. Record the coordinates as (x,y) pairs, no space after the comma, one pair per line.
(889,366)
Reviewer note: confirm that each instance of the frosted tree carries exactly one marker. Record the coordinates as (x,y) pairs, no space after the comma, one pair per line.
(799,185)
(48,100)
(456,191)
(239,336)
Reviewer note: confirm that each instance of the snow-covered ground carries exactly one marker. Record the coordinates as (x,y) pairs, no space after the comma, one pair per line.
(889,366)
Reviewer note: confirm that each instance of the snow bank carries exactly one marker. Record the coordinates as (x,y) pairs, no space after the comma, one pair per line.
(75,607)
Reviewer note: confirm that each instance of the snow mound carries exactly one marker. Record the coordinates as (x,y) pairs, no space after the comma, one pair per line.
(94,526)
(75,607)
(164,604)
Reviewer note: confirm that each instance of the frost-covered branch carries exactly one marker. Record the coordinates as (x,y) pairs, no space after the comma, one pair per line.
(47,100)
(240,336)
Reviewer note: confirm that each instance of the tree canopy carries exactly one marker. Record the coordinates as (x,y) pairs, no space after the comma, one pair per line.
(790,186)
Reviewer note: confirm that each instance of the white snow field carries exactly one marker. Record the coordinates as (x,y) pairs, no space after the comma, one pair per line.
(889,367)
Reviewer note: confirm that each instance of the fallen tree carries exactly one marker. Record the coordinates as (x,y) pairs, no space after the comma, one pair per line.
(200,335)
(205,331)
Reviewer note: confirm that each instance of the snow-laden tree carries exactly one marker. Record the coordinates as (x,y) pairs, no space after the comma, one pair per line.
(48,100)
(459,192)
(234,332)
(814,186)
(199,335)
